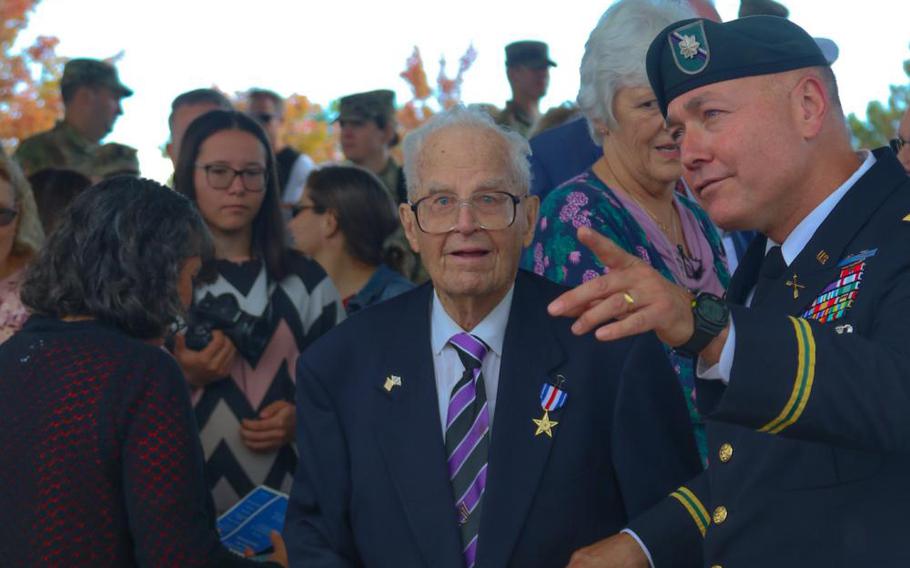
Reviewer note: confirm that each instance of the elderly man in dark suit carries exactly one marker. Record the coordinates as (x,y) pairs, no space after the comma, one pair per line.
(459,425)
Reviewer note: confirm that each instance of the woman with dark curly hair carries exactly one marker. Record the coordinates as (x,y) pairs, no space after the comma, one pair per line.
(101,464)
(243,374)
(344,221)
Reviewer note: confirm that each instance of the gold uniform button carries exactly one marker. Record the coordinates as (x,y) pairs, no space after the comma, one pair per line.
(720,515)
(725,453)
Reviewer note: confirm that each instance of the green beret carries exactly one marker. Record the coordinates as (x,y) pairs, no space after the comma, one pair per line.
(697,52)
(529,53)
(92,73)
(362,107)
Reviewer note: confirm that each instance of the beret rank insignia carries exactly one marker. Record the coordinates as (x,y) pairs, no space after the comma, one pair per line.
(689,46)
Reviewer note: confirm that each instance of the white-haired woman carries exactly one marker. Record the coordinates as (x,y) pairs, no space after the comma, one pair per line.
(21,236)
(630,194)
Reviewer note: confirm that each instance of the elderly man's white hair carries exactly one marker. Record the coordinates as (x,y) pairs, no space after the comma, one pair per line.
(615,53)
(461,117)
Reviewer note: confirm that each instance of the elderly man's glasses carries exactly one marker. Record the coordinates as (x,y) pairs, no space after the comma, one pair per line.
(493,210)
(220,176)
(897,144)
(7,216)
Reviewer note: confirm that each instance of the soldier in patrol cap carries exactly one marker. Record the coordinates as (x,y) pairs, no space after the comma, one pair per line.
(528,70)
(113,159)
(367,122)
(91,92)
(804,370)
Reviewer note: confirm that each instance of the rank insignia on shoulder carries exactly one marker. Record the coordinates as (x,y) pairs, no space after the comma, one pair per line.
(838,297)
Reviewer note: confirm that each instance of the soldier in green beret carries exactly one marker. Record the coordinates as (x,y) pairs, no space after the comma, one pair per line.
(528,70)
(91,92)
(803,365)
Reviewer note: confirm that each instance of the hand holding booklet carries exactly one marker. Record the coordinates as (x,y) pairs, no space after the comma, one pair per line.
(249,523)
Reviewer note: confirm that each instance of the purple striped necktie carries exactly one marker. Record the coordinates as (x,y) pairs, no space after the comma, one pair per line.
(467,441)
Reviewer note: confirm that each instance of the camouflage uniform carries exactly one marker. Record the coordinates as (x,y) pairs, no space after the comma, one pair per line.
(533,54)
(379,106)
(113,160)
(513,118)
(60,147)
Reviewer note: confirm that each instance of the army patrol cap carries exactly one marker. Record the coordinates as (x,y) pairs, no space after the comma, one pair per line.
(114,159)
(534,54)
(698,52)
(92,73)
(362,107)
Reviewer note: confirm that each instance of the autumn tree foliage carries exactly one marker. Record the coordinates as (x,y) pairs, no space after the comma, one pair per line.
(29,77)
(426,100)
(882,119)
(308,126)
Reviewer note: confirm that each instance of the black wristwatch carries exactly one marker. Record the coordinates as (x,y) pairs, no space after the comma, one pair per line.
(711,316)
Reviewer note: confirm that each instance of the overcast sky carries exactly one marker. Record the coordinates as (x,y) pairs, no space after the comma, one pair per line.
(327,49)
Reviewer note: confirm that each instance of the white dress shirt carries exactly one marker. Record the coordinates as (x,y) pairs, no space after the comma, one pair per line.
(794,244)
(446,363)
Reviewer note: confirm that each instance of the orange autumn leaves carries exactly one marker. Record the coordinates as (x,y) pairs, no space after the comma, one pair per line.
(308,126)
(29,77)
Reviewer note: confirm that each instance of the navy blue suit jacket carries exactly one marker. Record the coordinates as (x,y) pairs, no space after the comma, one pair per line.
(810,442)
(560,154)
(372,486)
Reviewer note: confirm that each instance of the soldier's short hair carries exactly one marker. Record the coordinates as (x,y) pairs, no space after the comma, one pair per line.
(267,94)
(198,96)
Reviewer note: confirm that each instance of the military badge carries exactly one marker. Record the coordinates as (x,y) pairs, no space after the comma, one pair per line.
(552,398)
(689,47)
(838,297)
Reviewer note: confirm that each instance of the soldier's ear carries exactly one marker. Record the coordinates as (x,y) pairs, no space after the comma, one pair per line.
(811,105)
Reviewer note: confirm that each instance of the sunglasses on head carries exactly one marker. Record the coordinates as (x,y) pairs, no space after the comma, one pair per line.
(7,216)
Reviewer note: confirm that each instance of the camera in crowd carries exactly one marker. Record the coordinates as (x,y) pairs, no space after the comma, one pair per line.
(250,334)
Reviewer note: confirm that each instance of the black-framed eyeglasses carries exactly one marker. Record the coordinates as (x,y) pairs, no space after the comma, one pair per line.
(264,117)
(298,209)
(493,210)
(220,176)
(7,216)
(897,144)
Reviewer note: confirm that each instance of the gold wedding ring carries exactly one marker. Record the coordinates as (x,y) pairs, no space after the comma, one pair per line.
(628,297)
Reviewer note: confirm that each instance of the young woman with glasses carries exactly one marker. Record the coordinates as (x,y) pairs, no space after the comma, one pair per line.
(273,303)
(344,221)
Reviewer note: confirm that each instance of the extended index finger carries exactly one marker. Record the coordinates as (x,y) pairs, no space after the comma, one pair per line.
(577,300)
(607,252)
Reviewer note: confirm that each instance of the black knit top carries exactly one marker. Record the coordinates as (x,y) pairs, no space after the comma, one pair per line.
(100,462)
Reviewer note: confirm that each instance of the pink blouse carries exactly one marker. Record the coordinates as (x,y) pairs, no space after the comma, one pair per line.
(12,313)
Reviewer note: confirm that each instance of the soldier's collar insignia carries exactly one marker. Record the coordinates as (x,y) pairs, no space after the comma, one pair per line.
(689,47)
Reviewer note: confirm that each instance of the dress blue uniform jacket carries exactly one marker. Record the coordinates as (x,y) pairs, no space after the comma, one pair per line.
(372,488)
(809,445)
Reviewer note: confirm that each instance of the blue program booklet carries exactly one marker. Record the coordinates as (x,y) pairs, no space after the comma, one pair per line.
(249,523)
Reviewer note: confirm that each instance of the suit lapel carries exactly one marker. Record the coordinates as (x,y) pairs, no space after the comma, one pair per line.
(808,273)
(517,458)
(410,436)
